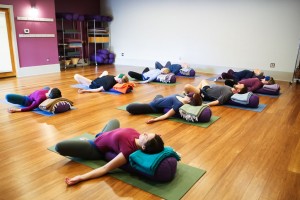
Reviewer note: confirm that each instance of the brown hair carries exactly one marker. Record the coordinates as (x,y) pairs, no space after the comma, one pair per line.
(125,79)
(271,81)
(196,100)
(243,90)
(154,145)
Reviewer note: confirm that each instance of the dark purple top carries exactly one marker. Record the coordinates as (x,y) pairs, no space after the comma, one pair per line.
(35,99)
(121,140)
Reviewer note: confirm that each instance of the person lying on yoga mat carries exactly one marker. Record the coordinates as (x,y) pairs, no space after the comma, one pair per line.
(33,100)
(252,84)
(122,141)
(104,82)
(244,74)
(174,68)
(171,103)
(148,75)
(216,94)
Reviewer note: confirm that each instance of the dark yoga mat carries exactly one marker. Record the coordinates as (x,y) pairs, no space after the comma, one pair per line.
(186,176)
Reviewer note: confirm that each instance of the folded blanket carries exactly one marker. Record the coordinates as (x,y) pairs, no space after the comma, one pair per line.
(148,163)
(185,71)
(124,87)
(51,104)
(242,98)
(273,87)
(191,113)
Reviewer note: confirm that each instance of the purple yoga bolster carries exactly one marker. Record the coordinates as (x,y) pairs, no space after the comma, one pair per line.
(111,60)
(253,102)
(96,58)
(203,117)
(165,171)
(264,91)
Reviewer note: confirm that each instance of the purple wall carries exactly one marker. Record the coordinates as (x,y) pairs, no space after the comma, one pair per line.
(82,7)
(35,51)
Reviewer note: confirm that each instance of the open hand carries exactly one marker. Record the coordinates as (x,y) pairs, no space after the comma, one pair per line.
(12,110)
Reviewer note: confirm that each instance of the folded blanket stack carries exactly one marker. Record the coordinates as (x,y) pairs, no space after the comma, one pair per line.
(191,113)
(148,163)
(242,98)
(273,87)
(185,71)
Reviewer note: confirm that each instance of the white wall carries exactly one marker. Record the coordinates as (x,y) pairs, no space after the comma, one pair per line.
(210,35)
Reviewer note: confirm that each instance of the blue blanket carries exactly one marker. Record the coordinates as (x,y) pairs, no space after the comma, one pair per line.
(242,98)
(148,163)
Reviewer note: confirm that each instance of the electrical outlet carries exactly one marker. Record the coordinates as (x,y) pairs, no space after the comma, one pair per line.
(122,54)
(272,65)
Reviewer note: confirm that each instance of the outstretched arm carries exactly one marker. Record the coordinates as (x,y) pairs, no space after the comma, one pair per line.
(105,73)
(170,113)
(80,91)
(118,161)
(213,103)
(190,88)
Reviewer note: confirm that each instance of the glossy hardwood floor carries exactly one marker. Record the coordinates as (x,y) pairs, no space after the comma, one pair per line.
(248,155)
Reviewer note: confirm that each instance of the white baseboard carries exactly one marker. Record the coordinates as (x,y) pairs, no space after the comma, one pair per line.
(278,75)
(37,70)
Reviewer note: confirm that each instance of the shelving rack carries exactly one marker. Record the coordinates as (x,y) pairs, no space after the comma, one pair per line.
(70,30)
(97,33)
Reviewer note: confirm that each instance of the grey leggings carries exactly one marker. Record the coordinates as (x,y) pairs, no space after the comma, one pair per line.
(84,149)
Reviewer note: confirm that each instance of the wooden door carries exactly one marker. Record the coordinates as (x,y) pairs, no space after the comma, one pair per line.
(7,61)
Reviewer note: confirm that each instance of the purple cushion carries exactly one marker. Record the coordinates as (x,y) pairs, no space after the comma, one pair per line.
(264,91)
(165,171)
(253,102)
(192,73)
(166,78)
(61,106)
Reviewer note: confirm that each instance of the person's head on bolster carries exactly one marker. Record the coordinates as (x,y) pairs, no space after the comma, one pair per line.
(122,78)
(151,143)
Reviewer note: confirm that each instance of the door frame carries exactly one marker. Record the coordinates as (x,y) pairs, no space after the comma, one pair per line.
(12,41)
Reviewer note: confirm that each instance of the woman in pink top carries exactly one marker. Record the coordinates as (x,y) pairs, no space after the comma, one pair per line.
(33,100)
(121,141)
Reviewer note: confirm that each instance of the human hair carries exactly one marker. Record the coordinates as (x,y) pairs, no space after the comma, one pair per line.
(271,81)
(196,100)
(154,145)
(243,90)
(54,93)
(125,79)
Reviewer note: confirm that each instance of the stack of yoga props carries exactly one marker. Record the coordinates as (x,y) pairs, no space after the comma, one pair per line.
(195,113)
(58,105)
(247,101)
(103,56)
(273,89)
(159,174)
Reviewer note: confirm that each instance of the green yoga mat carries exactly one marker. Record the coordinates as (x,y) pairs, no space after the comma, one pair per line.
(203,125)
(186,176)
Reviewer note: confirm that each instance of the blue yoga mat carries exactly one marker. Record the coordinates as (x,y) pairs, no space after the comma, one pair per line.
(260,107)
(81,86)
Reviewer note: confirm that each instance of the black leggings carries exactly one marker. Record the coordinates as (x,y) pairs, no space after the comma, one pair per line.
(84,149)
(138,76)
(141,108)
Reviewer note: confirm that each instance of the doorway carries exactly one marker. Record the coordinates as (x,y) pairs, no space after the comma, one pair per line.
(7,61)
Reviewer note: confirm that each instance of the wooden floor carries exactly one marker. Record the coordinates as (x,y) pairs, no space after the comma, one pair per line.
(247,155)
